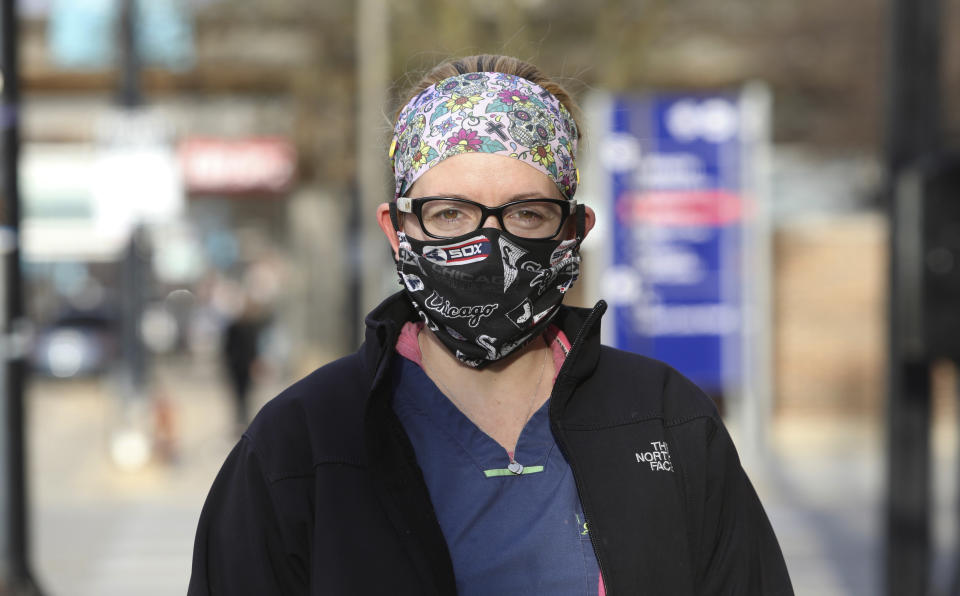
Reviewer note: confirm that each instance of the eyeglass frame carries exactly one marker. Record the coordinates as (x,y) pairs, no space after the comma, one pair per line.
(414,206)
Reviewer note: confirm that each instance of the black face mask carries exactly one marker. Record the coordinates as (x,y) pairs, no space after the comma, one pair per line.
(487,293)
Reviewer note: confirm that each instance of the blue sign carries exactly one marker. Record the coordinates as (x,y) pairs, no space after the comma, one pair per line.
(165,33)
(676,233)
(83,34)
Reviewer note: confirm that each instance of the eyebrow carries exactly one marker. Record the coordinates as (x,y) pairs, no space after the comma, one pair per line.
(516,197)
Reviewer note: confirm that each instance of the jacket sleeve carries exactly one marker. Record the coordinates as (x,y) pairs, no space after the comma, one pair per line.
(240,547)
(739,552)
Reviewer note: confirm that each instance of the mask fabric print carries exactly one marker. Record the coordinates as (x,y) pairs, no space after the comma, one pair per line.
(487,293)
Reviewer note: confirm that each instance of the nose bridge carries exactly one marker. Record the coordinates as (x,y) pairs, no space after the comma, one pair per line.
(491,221)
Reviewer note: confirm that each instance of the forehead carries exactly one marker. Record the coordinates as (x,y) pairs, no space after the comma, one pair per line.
(484,177)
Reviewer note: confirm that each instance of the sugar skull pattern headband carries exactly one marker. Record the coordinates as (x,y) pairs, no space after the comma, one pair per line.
(485,112)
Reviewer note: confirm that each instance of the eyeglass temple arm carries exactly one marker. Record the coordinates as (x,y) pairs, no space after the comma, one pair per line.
(393,216)
(581,217)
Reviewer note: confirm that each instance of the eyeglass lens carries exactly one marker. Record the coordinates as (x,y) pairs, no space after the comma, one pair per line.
(533,219)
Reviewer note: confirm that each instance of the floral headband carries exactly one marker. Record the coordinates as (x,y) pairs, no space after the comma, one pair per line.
(485,112)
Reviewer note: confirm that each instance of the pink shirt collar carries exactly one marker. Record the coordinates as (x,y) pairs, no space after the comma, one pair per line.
(409,348)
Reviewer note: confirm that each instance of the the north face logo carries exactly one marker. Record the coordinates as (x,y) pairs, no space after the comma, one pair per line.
(658,457)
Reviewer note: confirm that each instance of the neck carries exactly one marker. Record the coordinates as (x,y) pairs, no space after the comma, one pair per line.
(499,398)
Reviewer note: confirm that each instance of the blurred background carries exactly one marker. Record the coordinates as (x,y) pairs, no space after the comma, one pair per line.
(188,196)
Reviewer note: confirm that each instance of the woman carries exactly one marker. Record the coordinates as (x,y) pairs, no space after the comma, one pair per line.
(482,441)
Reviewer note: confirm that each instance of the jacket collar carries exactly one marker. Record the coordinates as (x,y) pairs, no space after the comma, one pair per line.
(582,327)
(383,327)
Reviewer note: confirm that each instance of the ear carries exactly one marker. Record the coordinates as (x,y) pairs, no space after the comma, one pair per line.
(386,224)
(589,220)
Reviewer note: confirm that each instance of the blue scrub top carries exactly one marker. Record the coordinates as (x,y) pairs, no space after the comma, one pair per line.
(507,534)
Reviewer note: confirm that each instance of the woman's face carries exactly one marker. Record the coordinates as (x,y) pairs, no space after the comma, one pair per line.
(489,179)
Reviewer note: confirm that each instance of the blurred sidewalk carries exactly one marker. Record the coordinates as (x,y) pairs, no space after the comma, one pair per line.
(820,485)
(99,531)
(823,484)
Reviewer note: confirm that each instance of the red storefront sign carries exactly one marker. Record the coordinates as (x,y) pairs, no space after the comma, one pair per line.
(262,165)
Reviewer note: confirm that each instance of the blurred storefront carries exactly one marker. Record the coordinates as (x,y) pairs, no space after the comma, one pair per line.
(241,133)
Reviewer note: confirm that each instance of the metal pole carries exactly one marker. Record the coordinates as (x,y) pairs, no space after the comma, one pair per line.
(130,94)
(134,283)
(753,406)
(18,578)
(130,98)
(373,127)
(913,96)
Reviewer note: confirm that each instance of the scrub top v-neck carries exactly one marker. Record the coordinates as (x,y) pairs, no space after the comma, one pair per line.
(508,534)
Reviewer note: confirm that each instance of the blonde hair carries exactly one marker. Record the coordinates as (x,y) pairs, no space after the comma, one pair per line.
(493,63)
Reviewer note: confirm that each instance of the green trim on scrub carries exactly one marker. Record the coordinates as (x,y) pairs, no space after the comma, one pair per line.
(506,472)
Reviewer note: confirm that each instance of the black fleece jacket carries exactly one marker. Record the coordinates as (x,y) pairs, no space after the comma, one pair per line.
(323,494)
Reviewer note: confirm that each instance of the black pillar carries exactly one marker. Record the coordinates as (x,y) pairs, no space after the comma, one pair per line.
(16,576)
(912,132)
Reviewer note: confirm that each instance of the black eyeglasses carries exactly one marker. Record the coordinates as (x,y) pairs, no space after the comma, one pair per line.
(446,217)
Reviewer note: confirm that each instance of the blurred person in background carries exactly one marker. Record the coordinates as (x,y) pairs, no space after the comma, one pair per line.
(241,356)
(482,441)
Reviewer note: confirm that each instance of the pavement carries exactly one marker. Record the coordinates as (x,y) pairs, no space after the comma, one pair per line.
(99,530)
(821,487)
(822,484)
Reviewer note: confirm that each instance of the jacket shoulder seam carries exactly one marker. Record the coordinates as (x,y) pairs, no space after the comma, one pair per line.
(339,461)
(273,478)
(270,478)
(642,418)
(335,461)
(691,418)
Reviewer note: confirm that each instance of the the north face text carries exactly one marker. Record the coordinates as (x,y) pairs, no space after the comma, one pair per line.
(658,457)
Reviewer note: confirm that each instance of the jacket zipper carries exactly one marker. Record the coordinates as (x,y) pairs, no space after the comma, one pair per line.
(587,324)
